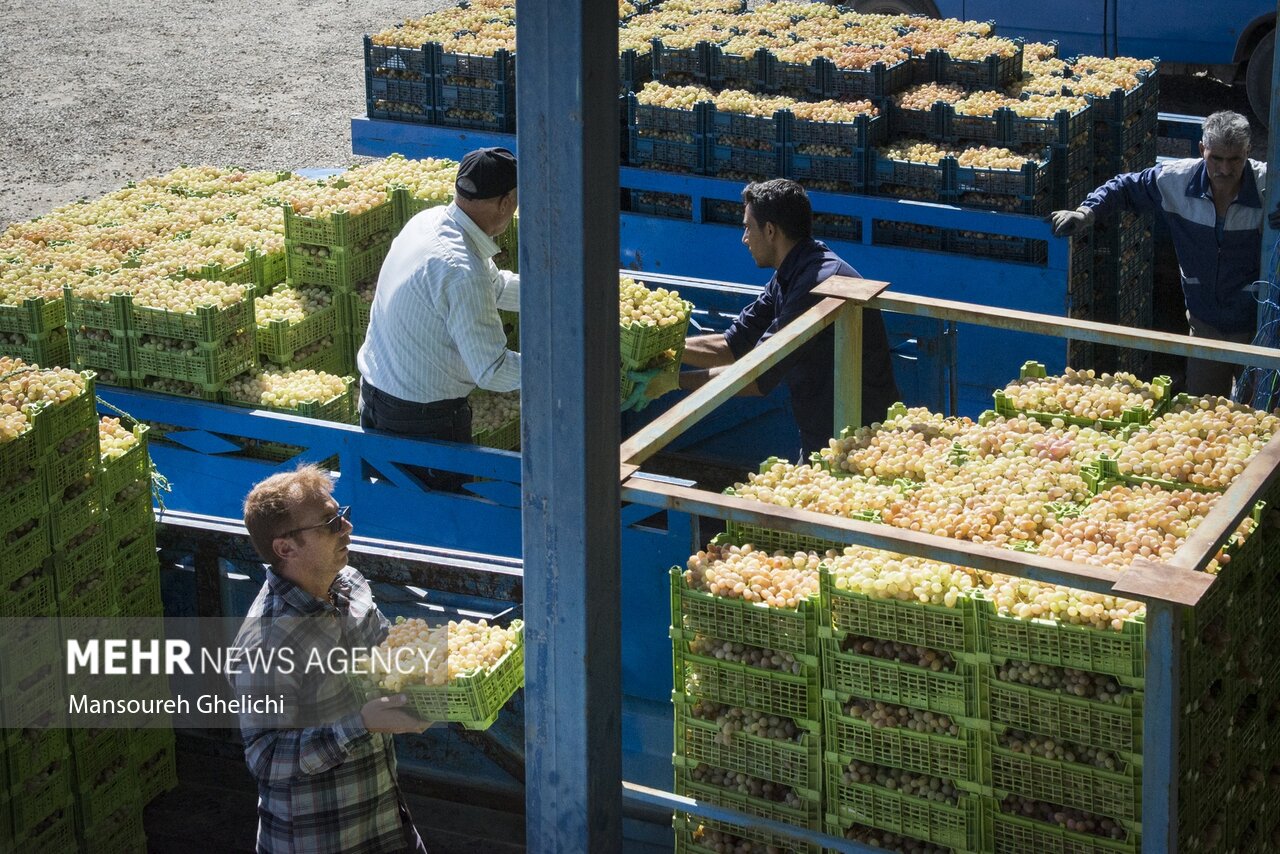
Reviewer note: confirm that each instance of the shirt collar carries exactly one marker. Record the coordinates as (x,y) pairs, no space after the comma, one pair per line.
(301,600)
(795,258)
(486,247)
(1199,186)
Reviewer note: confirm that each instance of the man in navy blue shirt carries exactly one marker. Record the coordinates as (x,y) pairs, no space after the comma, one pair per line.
(778,232)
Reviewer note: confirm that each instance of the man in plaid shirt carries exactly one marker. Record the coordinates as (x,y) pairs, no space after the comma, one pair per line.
(326,767)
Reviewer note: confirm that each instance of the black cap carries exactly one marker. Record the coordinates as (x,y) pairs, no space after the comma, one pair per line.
(486,173)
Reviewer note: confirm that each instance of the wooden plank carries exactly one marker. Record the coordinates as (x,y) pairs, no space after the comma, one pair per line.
(628,469)
(1079,330)
(851,288)
(847,410)
(659,433)
(1148,580)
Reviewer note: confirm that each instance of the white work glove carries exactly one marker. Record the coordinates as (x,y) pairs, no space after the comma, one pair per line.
(1067,223)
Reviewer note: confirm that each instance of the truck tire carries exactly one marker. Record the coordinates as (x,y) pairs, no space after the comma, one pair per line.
(896,7)
(1257,77)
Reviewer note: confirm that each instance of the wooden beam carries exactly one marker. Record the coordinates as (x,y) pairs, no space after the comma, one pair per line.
(1148,580)
(851,288)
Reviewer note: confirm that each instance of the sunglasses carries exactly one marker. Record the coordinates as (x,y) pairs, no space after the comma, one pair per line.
(334,524)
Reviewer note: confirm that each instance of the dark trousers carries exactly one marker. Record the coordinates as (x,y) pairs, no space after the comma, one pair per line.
(442,419)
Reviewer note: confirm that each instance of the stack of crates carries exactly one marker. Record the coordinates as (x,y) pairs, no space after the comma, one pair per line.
(194,353)
(890,718)
(342,253)
(669,139)
(97,337)
(1124,125)
(746,147)
(106,787)
(429,85)
(712,691)
(35,332)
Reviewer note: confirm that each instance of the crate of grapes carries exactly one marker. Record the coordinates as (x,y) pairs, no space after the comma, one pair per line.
(1120,103)
(666,380)
(279,339)
(394,62)
(1009,832)
(205,324)
(124,461)
(19,456)
(700,611)
(47,350)
(34,315)
(28,751)
(948,817)
(1085,778)
(25,499)
(76,508)
(117,786)
(995,71)
(473,699)
(953,691)
(777,683)
(335,268)
(642,337)
(1025,190)
(878,80)
(780,750)
(39,797)
(70,461)
(696,835)
(269,270)
(944,627)
(56,422)
(154,356)
(1145,400)
(1117,650)
(340,407)
(27,544)
(31,592)
(100,350)
(635,68)
(1114,723)
(341,229)
(914,740)
(802,809)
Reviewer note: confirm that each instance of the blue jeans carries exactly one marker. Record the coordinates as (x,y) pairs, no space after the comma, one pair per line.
(442,419)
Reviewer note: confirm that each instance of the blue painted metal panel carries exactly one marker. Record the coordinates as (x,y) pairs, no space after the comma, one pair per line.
(1161,713)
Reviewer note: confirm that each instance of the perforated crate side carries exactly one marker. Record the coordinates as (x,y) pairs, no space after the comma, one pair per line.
(403,63)
(1062,129)
(70,465)
(398,111)
(111,314)
(688,829)
(960,759)
(791,695)
(50,350)
(476,107)
(1120,103)
(846,675)
(1115,794)
(807,816)
(37,799)
(876,81)
(1062,644)
(938,178)
(1010,834)
(955,826)
(70,516)
(19,458)
(417,93)
(782,629)
(1113,726)
(130,467)
(94,751)
(278,340)
(794,77)
(634,70)
(98,802)
(681,65)
(938,627)
(34,315)
(993,72)
(846,173)
(206,324)
(23,500)
(925,124)
(797,764)
(979,245)
(641,343)
(68,417)
(212,367)
(736,71)
(741,163)
(341,272)
(696,123)
(34,599)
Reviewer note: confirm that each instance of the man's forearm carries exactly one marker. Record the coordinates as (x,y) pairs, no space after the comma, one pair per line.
(690,380)
(707,351)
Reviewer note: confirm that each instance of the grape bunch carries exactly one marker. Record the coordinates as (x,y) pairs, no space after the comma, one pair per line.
(1066,680)
(906,782)
(883,715)
(291,304)
(114,440)
(885,575)
(742,572)
(1084,394)
(733,720)
(1045,747)
(745,784)
(1027,599)
(440,654)
(937,661)
(741,653)
(1077,821)
(656,94)
(640,306)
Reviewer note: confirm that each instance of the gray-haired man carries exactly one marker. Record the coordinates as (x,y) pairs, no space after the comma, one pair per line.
(1214,207)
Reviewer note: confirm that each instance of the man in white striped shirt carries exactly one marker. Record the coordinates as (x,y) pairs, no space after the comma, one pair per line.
(434,332)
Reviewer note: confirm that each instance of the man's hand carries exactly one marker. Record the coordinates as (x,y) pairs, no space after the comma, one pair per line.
(1273,219)
(639,397)
(1067,223)
(387,714)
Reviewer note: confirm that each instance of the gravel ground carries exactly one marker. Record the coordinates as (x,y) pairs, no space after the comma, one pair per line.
(99,93)
(139,88)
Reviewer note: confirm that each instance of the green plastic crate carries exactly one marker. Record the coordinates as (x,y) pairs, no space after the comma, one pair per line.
(137,556)
(203,367)
(792,763)
(55,832)
(19,457)
(341,229)
(953,630)
(29,751)
(809,816)
(640,344)
(157,773)
(119,833)
(847,675)
(341,271)
(110,359)
(29,645)
(1010,834)
(781,629)
(666,380)
(194,391)
(57,422)
(810,796)
(278,340)
(1133,416)
(329,360)
(111,314)
(35,599)
(36,799)
(796,696)
(355,313)
(69,517)
(90,597)
(269,270)
(1063,644)
(30,700)
(243,273)
(132,466)
(1105,473)
(473,701)
(21,503)
(94,751)
(89,559)
(1115,794)
(125,517)
(340,407)
(206,324)
(504,438)
(958,826)
(1113,726)
(960,759)
(772,541)
(408,205)
(63,468)
(51,350)
(686,828)
(142,601)
(34,316)
(119,788)
(24,554)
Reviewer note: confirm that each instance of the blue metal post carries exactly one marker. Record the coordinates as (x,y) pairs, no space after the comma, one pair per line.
(1269,234)
(567,113)
(1160,729)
